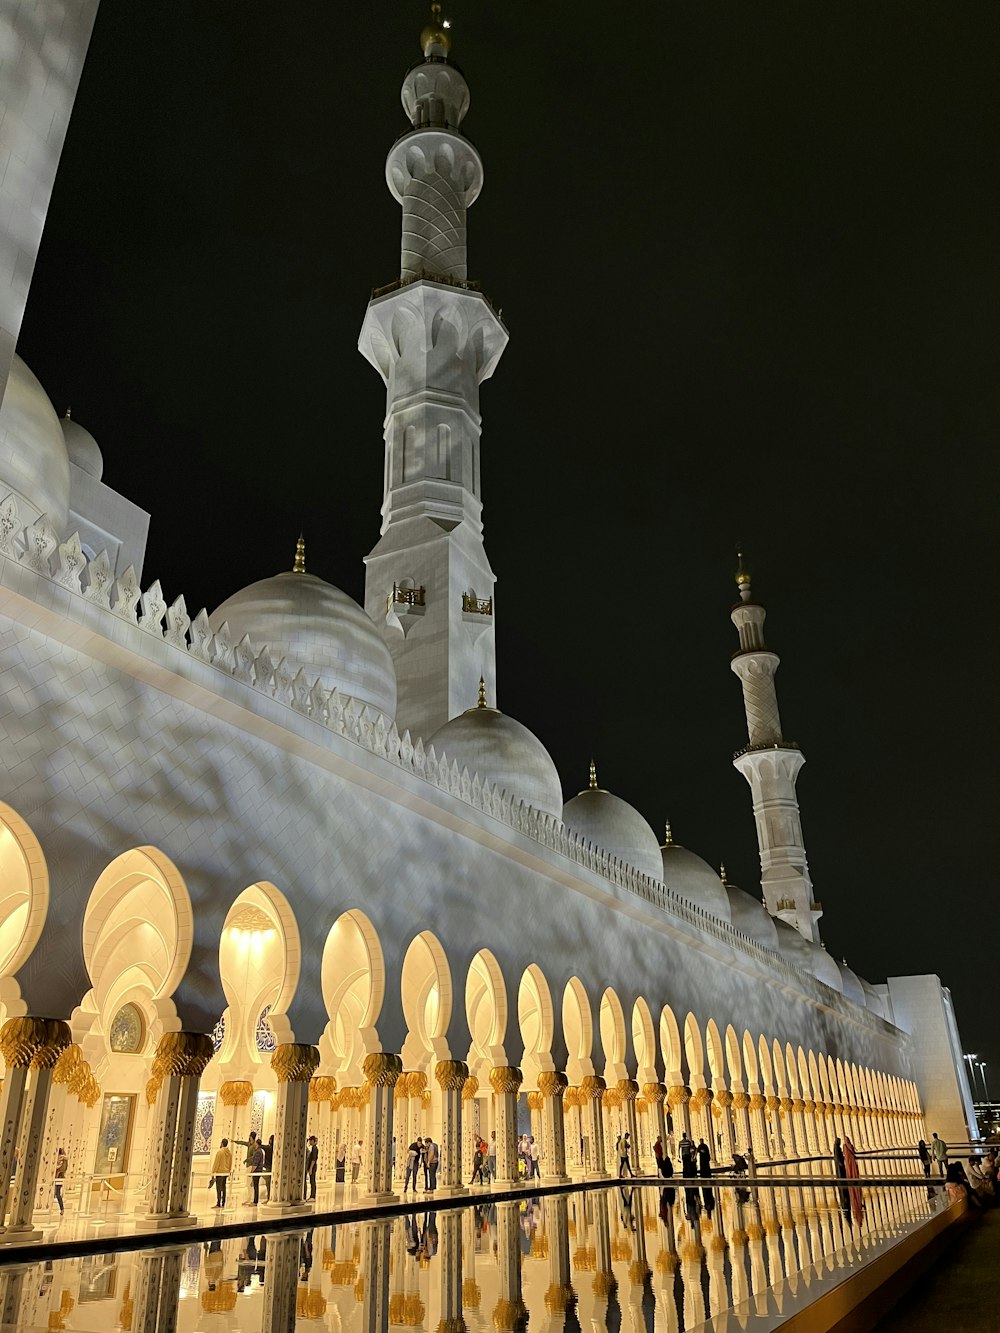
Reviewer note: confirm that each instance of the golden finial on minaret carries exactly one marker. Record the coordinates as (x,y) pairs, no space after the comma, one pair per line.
(68,414)
(300,556)
(669,839)
(722,873)
(436,33)
(482,694)
(593,776)
(742,577)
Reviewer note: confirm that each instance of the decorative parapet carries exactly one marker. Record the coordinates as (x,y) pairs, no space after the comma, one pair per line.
(38,548)
(476,606)
(405,597)
(766,745)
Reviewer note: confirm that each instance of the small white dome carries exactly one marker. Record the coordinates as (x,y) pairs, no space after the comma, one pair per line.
(751,916)
(875,1002)
(505,753)
(613,826)
(851,985)
(694,879)
(317,627)
(34,464)
(82,448)
(812,958)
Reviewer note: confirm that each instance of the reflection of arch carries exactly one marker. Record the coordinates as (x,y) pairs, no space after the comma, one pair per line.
(24,891)
(612,1028)
(713,1046)
(578,1028)
(137,933)
(670,1042)
(486,1009)
(749,1058)
(694,1050)
(733,1061)
(260,956)
(426,989)
(643,1041)
(534,1012)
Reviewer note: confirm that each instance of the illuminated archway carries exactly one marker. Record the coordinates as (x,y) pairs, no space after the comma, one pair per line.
(259,959)
(426,989)
(486,1014)
(578,1031)
(353,981)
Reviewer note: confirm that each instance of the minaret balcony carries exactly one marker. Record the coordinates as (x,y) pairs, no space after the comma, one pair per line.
(404,607)
(476,606)
(765,745)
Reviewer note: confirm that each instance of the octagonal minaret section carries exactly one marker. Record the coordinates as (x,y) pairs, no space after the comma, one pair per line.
(433,337)
(771,766)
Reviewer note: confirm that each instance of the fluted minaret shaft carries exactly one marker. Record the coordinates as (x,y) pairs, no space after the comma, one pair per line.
(433,338)
(771,766)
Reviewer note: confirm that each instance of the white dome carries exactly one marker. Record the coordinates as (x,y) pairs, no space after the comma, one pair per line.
(851,985)
(751,916)
(505,753)
(812,958)
(82,448)
(694,879)
(317,627)
(613,826)
(34,464)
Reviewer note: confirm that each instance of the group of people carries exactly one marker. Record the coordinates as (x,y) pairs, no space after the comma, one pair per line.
(422,1156)
(259,1162)
(980,1184)
(696,1159)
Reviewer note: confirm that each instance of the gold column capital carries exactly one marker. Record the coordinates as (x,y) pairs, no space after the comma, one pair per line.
(724,1097)
(678,1094)
(552,1083)
(295,1062)
(70,1059)
(469,1088)
(23,1041)
(236,1092)
(787,1104)
(593,1086)
(505,1078)
(185,1054)
(654,1092)
(757,1102)
(153,1087)
(451,1074)
(382,1069)
(627,1089)
(741,1101)
(773,1103)
(534,1101)
(416,1082)
(701,1097)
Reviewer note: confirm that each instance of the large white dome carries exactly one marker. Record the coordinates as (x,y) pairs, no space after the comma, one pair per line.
(317,627)
(751,916)
(851,985)
(82,448)
(812,958)
(33,459)
(612,825)
(504,753)
(694,879)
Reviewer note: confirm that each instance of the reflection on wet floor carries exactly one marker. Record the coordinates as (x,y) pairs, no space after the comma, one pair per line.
(655,1259)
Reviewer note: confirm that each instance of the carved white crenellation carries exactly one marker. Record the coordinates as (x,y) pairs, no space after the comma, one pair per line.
(154,608)
(72,563)
(40,543)
(10,526)
(347,717)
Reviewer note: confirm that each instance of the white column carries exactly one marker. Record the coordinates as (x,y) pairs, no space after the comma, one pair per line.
(381,1072)
(294,1063)
(593,1088)
(451,1075)
(505,1081)
(552,1084)
(181,1059)
(52,1037)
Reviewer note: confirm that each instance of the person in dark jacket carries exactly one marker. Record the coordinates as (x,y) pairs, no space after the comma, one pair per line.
(312,1166)
(704,1158)
(268,1164)
(256,1167)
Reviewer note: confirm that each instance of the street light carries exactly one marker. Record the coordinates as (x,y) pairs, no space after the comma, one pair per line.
(972,1074)
(982,1070)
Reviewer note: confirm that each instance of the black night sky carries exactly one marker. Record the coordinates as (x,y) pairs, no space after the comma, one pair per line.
(747,255)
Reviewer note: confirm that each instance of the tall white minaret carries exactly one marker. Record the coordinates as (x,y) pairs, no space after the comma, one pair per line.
(433,337)
(771,765)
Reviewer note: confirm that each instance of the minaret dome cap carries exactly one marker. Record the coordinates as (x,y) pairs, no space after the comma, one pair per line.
(434,38)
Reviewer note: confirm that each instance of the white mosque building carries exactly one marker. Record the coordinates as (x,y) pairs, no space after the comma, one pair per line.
(244,852)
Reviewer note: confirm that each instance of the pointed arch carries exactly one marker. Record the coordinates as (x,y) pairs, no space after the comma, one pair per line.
(427,996)
(260,956)
(578,1027)
(694,1051)
(486,1010)
(612,1021)
(714,1050)
(733,1060)
(670,1043)
(644,1042)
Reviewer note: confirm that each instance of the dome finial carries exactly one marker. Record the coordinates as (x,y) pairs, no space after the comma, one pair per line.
(668,840)
(434,39)
(68,414)
(742,577)
(593,776)
(482,694)
(722,872)
(300,556)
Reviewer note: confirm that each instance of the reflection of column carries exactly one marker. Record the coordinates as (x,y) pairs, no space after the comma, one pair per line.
(628,1091)
(451,1075)
(604,1277)
(559,1296)
(281,1266)
(552,1084)
(450,1268)
(156,1288)
(505,1081)
(34,1043)
(375,1242)
(181,1059)
(294,1064)
(592,1087)
(509,1312)
(381,1072)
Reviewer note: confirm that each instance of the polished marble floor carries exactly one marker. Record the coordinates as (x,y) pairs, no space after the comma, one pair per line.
(641,1258)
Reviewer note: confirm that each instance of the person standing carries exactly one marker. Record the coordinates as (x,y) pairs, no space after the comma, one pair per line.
(222,1167)
(340,1162)
(430,1164)
(62,1164)
(839,1165)
(623,1156)
(312,1166)
(533,1155)
(356,1155)
(412,1163)
(256,1169)
(687,1154)
(491,1159)
(704,1159)
(925,1157)
(268,1164)
(939,1153)
(477,1164)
